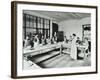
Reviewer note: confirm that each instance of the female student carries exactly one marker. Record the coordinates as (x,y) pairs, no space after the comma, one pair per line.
(86,44)
(26,42)
(36,41)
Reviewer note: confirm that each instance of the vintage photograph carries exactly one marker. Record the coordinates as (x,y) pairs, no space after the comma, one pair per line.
(53,39)
(56,39)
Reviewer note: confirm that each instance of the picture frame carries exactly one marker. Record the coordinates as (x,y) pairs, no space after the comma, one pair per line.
(19,9)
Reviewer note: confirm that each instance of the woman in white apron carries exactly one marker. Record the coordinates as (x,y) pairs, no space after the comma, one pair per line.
(73,53)
(36,41)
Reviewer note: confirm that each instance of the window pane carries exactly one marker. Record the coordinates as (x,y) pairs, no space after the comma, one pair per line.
(31,24)
(27,17)
(27,23)
(34,25)
(34,19)
(39,25)
(48,32)
(27,20)
(30,21)
(47,26)
(41,21)
(45,22)
(29,30)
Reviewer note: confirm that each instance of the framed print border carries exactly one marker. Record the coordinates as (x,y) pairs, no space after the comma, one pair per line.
(14,38)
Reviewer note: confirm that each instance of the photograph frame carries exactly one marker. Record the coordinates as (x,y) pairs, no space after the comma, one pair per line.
(14,38)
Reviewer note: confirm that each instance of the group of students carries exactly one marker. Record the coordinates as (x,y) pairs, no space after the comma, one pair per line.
(74,42)
(35,41)
(75,39)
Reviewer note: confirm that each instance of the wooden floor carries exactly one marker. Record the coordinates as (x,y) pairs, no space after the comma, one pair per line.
(56,60)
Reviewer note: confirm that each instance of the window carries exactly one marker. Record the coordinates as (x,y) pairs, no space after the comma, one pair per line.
(35,25)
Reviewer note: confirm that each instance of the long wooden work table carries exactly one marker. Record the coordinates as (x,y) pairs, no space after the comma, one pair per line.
(46,48)
(41,49)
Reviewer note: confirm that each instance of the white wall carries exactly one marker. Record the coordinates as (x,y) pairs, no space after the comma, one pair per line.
(73,26)
(85,20)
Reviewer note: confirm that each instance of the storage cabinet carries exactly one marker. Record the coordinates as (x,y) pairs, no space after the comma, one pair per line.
(87,31)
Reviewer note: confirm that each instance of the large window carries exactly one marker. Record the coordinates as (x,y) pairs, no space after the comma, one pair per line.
(33,25)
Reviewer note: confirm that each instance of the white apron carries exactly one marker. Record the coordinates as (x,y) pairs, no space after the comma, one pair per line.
(73,53)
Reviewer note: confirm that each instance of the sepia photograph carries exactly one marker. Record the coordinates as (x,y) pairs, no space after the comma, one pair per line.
(53,39)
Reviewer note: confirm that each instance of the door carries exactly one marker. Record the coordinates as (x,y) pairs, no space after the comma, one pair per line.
(54,28)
